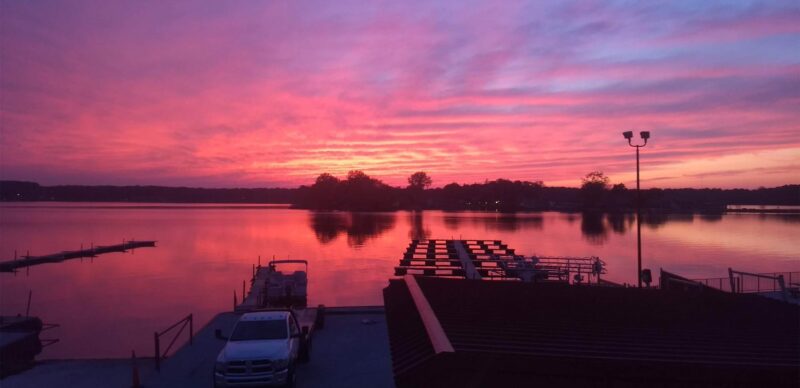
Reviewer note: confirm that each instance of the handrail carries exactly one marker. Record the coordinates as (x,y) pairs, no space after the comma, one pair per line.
(188,320)
(739,282)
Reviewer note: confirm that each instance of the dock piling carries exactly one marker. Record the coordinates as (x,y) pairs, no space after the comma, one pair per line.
(158,351)
(235,302)
(135,373)
(28,309)
(191,329)
(243,283)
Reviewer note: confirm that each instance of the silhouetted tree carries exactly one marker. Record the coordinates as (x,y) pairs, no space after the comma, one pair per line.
(417,183)
(325,192)
(593,189)
(419,180)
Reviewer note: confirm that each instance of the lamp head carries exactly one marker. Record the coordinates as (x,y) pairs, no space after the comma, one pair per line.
(628,134)
(645,134)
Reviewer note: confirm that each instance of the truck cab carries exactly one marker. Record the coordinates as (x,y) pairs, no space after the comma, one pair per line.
(262,350)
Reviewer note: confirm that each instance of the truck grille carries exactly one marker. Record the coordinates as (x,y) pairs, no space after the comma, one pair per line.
(249,366)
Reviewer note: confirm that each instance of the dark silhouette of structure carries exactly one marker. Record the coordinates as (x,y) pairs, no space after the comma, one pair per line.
(454,332)
(645,135)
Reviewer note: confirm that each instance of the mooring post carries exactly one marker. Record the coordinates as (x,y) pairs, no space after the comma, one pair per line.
(135,383)
(28,309)
(243,282)
(234,300)
(733,283)
(158,352)
(259,261)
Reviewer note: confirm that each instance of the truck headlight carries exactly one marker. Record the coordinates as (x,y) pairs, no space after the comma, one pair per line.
(220,367)
(280,364)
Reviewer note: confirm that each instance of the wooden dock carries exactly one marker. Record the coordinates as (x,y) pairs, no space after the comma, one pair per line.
(493,260)
(27,260)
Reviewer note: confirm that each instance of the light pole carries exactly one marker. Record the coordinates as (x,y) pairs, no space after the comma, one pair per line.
(645,135)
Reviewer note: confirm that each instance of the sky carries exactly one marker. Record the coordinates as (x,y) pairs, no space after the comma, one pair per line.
(273,93)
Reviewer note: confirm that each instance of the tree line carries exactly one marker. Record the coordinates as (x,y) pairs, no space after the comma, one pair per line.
(358,191)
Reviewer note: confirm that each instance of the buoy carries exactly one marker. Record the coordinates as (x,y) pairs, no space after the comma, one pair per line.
(135,377)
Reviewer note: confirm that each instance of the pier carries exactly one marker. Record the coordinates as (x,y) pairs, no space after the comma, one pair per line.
(494,260)
(28,261)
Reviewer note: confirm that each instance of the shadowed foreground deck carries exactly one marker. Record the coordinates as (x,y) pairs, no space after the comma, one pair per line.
(351,351)
(466,332)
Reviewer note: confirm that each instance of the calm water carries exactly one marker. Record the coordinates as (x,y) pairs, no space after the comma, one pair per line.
(112,304)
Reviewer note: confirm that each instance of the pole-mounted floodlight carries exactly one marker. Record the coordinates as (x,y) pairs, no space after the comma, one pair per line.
(629,136)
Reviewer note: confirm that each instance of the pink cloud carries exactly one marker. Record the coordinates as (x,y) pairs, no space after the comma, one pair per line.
(273,94)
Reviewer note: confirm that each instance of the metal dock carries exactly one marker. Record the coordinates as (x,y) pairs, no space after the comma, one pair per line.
(494,260)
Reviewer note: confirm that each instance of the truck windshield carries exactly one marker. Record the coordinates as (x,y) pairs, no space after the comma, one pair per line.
(259,330)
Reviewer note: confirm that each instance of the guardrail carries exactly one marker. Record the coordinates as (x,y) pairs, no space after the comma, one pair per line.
(739,282)
(189,320)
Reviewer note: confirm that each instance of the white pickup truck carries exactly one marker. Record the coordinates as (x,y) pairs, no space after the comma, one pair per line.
(262,350)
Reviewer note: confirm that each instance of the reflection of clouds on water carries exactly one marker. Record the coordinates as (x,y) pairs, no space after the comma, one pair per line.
(359,227)
(790,218)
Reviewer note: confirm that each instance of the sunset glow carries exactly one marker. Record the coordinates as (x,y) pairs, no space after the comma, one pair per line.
(271,94)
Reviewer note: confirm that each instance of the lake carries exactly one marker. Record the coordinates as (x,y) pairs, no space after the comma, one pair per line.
(112,304)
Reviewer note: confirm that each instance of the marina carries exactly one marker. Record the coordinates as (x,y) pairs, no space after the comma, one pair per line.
(457,300)
(427,194)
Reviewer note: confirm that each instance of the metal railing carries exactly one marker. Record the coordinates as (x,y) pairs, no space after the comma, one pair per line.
(744,282)
(189,320)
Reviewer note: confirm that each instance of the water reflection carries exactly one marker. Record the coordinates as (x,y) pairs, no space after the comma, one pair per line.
(359,227)
(351,257)
(417,230)
(711,217)
(656,220)
(511,222)
(452,222)
(620,222)
(593,228)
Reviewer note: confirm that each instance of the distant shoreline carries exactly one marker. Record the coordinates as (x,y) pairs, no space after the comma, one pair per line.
(43,204)
(369,194)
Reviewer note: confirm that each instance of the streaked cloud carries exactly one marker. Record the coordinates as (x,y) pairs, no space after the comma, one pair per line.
(274,93)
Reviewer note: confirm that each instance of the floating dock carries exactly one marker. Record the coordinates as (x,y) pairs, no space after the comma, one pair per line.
(27,260)
(494,260)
